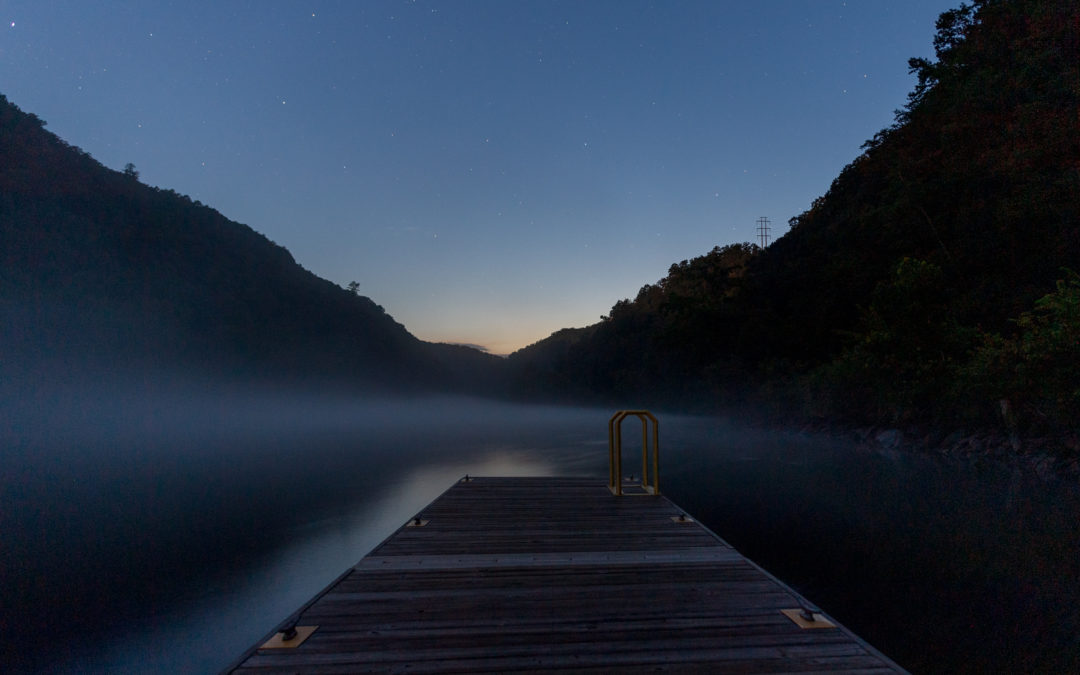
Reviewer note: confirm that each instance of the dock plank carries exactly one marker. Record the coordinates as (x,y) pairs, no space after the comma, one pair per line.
(557,574)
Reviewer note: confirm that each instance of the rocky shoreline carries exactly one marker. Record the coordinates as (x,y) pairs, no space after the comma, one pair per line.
(1051,459)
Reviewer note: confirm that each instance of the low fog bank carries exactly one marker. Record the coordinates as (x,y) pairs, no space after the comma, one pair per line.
(128,496)
(166,523)
(181,407)
(117,495)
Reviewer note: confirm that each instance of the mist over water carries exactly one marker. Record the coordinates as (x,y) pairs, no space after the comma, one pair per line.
(169,530)
(172,528)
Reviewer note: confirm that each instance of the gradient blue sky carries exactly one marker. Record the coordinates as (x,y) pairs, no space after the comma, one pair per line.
(488,171)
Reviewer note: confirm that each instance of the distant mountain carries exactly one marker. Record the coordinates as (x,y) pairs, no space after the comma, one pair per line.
(923,286)
(103,276)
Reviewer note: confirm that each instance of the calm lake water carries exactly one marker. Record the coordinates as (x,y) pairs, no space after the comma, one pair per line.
(170,533)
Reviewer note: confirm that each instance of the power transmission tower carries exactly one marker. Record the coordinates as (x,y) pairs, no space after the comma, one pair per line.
(763,231)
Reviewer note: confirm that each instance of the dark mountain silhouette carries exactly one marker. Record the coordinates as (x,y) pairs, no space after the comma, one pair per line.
(930,284)
(103,276)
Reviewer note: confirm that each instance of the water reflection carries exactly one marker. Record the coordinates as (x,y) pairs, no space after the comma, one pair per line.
(318,550)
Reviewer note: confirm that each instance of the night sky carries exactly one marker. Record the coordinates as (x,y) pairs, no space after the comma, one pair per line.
(488,171)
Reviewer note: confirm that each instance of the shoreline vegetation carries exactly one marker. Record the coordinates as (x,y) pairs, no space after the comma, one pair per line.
(1047,458)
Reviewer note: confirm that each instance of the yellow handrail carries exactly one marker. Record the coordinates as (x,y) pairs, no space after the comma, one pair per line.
(615,478)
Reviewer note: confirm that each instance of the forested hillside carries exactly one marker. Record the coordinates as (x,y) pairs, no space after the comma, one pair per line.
(930,284)
(101,275)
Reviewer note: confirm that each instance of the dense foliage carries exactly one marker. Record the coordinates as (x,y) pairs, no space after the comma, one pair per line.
(909,292)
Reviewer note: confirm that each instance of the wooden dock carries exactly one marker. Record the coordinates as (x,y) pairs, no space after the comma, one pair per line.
(538,574)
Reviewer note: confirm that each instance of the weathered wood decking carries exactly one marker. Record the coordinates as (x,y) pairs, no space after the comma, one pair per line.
(532,574)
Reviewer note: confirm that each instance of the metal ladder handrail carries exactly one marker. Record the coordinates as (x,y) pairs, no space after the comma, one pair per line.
(615,480)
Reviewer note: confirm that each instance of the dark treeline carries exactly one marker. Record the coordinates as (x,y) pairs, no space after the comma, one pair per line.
(102,276)
(932,285)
